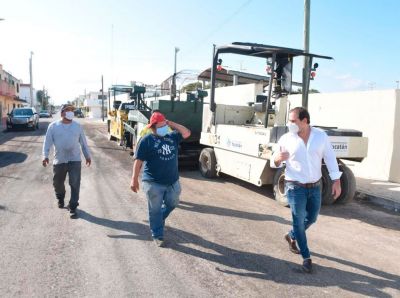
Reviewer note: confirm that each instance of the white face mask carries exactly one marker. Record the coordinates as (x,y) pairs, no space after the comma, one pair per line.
(293,128)
(69,115)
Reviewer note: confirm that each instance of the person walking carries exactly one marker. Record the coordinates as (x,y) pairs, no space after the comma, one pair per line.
(158,153)
(68,138)
(302,149)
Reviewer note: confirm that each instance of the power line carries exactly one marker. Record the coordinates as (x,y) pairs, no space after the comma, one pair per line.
(222,24)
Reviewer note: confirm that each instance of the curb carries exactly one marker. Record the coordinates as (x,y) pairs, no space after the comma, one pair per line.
(386,203)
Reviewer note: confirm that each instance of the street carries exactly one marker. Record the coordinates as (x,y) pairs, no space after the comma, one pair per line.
(225,239)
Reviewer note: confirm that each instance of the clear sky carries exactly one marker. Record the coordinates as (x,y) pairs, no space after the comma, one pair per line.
(76,41)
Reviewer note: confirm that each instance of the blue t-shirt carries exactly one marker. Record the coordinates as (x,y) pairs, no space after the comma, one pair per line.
(160,157)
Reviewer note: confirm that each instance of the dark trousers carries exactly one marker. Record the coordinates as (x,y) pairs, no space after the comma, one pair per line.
(73,168)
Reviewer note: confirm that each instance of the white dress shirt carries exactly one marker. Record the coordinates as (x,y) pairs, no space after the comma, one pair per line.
(304,163)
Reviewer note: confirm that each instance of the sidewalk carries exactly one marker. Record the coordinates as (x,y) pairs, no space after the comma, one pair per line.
(383,193)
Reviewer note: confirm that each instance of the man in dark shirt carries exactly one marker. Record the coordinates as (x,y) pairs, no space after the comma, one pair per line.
(158,152)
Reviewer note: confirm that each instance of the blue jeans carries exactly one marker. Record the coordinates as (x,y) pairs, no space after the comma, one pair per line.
(305,204)
(73,168)
(162,199)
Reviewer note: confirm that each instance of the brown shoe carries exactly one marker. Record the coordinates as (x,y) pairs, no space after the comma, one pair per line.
(292,244)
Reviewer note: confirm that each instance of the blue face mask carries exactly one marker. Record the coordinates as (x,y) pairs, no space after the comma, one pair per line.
(162,131)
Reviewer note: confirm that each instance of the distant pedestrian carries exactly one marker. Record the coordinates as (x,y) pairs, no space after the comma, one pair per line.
(302,149)
(158,152)
(67,138)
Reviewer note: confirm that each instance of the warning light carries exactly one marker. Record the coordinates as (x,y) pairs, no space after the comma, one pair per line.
(313,74)
(219,67)
(268,69)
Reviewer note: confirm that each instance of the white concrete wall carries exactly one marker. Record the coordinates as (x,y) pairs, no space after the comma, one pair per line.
(375,113)
(94,105)
(395,164)
(95,112)
(239,95)
(25,94)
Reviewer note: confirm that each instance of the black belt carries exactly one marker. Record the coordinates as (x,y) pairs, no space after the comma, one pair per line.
(305,185)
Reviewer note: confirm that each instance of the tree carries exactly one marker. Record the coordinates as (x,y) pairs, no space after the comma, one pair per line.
(43,98)
(40,96)
(299,91)
(191,87)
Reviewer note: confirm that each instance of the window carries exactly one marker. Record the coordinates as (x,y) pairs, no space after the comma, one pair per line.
(23,112)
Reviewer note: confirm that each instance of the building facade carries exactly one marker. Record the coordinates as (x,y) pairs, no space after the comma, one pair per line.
(25,94)
(9,94)
(93,104)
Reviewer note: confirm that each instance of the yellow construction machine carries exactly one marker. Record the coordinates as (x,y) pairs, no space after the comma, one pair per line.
(124,99)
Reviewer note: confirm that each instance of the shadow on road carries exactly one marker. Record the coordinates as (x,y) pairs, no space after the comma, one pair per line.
(9,157)
(207,209)
(9,135)
(353,210)
(265,190)
(261,266)
(139,231)
(372,215)
(285,272)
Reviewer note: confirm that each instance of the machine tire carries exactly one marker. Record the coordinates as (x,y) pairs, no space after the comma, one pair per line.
(326,190)
(279,187)
(348,185)
(208,163)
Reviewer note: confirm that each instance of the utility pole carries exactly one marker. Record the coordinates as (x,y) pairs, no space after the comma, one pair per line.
(173,89)
(43,98)
(31,79)
(397,84)
(306,65)
(102,98)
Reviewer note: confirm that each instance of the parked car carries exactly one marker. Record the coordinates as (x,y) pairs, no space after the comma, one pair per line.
(78,113)
(44,114)
(23,118)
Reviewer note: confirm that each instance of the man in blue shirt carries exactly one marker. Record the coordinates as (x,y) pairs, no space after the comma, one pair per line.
(158,152)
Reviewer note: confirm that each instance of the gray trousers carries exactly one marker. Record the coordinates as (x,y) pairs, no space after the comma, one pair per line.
(73,168)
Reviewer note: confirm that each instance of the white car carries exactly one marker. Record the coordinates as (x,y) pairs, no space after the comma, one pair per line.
(44,114)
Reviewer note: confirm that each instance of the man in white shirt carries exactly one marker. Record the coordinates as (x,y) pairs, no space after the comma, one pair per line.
(302,149)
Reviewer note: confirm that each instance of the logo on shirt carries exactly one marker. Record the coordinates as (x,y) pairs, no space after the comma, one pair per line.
(166,152)
(165,149)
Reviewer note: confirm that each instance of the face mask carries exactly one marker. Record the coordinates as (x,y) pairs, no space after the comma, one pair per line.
(69,115)
(162,131)
(293,128)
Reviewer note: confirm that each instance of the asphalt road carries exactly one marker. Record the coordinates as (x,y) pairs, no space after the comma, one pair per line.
(224,240)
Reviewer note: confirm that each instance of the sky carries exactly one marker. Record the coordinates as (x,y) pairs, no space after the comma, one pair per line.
(75,42)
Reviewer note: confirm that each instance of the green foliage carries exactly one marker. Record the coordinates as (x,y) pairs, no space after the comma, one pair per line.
(43,98)
(299,91)
(191,87)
